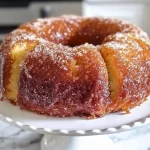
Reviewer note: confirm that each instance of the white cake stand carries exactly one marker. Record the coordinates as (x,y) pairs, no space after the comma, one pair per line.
(76,133)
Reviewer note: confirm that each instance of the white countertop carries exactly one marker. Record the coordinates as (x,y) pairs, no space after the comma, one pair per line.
(13,138)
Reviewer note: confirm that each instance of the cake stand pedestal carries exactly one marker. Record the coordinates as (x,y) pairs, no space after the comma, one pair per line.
(76,133)
(52,142)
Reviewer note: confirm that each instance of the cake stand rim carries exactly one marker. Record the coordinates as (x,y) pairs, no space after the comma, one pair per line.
(126,127)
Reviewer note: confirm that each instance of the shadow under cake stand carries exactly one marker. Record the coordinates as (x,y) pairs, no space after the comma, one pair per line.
(76,133)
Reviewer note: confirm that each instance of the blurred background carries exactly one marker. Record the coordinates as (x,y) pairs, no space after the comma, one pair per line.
(16,12)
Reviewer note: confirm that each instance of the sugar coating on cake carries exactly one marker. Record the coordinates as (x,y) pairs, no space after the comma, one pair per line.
(72,81)
(75,66)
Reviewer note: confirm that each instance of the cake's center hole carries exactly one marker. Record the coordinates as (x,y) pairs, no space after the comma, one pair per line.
(82,39)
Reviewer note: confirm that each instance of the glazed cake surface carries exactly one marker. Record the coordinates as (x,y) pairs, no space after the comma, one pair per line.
(75,66)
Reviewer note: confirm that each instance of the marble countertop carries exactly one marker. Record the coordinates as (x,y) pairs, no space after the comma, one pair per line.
(14,138)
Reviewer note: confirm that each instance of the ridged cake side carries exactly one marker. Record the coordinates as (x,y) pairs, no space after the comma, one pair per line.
(65,81)
(128,65)
(13,50)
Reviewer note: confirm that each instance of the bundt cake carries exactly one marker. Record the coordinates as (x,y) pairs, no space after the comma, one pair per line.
(75,66)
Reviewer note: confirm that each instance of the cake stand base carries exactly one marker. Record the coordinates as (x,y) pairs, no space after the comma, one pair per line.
(52,142)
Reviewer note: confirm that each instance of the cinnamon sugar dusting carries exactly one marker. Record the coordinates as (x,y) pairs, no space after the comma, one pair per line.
(60,78)
(132,64)
(65,74)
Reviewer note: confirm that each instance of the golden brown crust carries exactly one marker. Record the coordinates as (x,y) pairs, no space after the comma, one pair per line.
(17,36)
(132,64)
(56,30)
(75,30)
(65,81)
(82,89)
